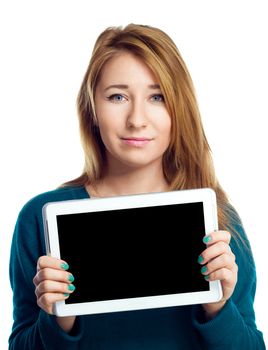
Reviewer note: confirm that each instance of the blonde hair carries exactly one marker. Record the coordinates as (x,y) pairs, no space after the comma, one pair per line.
(187,163)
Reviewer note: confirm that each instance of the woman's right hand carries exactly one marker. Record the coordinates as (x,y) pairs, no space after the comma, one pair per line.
(53,283)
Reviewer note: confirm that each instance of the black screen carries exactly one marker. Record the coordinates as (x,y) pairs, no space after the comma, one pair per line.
(133,252)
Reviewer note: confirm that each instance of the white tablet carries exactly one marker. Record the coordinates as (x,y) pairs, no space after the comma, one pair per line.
(133,252)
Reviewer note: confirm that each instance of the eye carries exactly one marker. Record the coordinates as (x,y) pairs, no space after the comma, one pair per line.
(158,98)
(116,98)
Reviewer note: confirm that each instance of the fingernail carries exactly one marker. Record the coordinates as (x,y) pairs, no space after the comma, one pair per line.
(200,259)
(206,277)
(71,287)
(204,269)
(71,278)
(66,294)
(64,266)
(207,239)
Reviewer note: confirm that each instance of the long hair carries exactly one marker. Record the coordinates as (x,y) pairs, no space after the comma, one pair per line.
(187,163)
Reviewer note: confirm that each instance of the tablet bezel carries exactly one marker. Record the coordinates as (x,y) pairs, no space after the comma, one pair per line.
(52,209)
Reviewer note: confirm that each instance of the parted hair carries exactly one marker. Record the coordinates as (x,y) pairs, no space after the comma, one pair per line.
(187,163)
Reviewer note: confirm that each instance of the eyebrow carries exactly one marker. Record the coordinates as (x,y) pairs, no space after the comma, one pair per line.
(125,87)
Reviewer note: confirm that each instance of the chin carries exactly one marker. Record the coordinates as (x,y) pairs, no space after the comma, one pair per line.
(137,163)
(133,160)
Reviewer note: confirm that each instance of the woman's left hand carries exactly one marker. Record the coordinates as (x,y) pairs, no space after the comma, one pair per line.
(218,263)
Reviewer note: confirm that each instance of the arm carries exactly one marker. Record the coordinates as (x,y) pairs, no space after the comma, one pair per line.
(233,324)
(33,328)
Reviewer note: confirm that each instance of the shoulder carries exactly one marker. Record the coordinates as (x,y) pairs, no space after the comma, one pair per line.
(241,248)
(236,228)
(239,242)
(31,212)
(29,224)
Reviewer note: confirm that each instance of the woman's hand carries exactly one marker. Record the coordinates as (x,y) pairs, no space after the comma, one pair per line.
(53,283)
(218,263)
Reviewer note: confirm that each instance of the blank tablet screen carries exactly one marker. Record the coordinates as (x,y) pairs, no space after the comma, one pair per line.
(135,252)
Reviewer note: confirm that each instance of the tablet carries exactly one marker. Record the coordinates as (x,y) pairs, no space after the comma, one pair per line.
(133,252)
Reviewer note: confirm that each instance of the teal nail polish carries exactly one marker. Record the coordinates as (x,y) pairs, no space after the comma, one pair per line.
(64,266)
(71,278)
(204,269)
(71,287)
(200,259)
(206,277)
(207,239)
(66,294)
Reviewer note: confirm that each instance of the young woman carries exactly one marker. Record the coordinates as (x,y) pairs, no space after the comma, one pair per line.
(141,132)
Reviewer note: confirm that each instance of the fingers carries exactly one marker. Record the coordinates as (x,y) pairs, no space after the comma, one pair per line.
(54,263)
(215,250)
(227,276)
(223,261)
(217,236)
(53,287)
(53,275)
(49,292)
(217,243)
(218,261)
(53,283)
(46,301)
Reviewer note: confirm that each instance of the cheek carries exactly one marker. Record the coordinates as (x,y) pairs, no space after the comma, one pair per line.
(108,115)
(165,137)
(108,126)
(105,119)
(164,129)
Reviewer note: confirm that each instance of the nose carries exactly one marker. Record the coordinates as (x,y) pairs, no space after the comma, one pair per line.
(137,115)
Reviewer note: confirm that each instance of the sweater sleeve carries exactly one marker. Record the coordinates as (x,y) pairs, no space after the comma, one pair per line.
(33,328)
(234,327)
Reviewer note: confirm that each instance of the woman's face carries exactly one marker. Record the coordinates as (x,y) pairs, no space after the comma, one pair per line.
(132,117)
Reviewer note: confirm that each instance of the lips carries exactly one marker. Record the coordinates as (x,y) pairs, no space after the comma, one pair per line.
(136,141)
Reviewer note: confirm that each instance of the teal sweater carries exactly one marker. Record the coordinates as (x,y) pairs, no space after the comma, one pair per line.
(181,327)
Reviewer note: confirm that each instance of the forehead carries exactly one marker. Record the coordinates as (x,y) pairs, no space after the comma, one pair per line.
(126,68)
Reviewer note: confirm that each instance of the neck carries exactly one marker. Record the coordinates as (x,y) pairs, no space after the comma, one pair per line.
(142,180)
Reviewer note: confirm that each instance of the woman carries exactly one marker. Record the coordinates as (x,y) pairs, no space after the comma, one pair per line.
(141,132)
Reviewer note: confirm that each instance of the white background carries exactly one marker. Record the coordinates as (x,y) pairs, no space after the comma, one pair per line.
(45,48)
